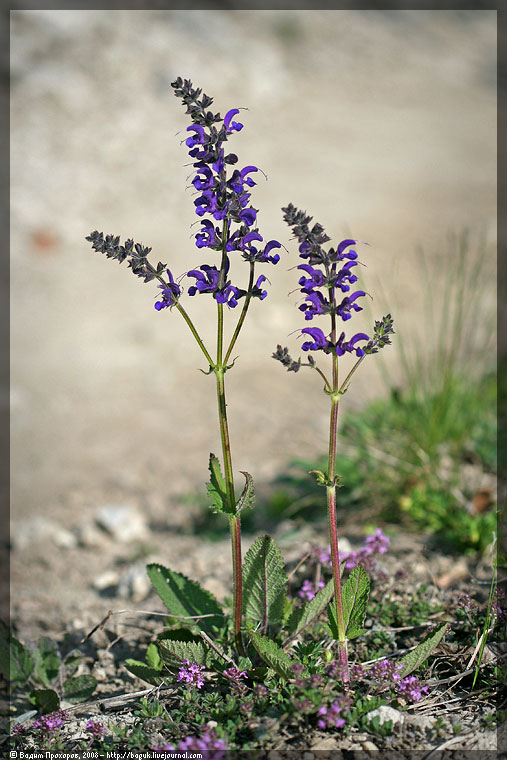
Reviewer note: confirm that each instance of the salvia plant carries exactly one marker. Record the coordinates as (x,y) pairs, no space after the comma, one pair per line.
(264,638)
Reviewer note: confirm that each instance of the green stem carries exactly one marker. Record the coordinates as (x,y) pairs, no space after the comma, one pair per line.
(234,520)
(331,512)
(195,333)
(242,316)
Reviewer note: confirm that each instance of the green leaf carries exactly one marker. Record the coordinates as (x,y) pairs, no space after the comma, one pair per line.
(16,662)
(355,592)
(273,655)
(144,672)
(302,617)
(216,488)
(417,656)
(264,583)
(247,497)
(45,700)
(80,688)
(174,652)
(47,662)
(178,634)
(153,657)
(185,598)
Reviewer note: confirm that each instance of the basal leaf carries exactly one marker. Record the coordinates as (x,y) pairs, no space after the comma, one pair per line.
(247,497)
(80,688)
(264,583)
(216,488)
(417,656)
(273,655)
(174,652)
(45,700)
(144,672)
(47,662)
(333,626)
(355,592)
(185,598)
(17,663)
(179,634)
(302,617)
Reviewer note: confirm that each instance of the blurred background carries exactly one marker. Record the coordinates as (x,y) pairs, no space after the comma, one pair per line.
(381,124)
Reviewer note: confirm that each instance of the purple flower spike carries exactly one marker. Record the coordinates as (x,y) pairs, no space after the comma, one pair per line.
(248,216)
(191,674)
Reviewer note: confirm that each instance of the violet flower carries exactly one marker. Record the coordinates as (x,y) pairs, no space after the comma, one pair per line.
(221,199)
(191,674)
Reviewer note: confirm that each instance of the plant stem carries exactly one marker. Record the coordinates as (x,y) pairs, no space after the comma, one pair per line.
(234,519)
(242,316)
(331,511)
(195,333)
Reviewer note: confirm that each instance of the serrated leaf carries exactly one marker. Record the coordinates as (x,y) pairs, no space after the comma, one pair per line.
(45,700)
(355,592)
(302,617)
(80,688)
(174,652)
(216,488)
(412,660)
(185,598)
(153,657)
(144,672)
(273,655)
(264,583)
(178,634)
(247,497)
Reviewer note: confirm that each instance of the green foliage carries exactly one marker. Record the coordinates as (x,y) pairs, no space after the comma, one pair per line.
(47,662)
(144,672)
(247,497)
(273,655)
(16,662)
(45,700)
(173,652)
(264,584)
(79,688)
(355,592)
(437,510)
(185,598)
(302,617)
(412,660)
(217,492)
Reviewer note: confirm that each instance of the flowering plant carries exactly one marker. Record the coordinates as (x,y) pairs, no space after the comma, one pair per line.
(268,628)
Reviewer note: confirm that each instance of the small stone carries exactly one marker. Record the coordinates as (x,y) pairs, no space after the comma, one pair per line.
(90,537)
(323,744)
(122,522)
(385,713)
(40,528)
(370,746)
(105,580)
(212,724)
(134,583)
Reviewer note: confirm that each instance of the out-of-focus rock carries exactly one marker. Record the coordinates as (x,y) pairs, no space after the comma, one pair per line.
(134,584)
(23,534)
(123,523)
(106,580)
(385,713)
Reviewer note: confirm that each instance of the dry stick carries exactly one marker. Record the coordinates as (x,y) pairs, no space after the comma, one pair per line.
(119,700)
(293,572)
(216,648)
(446,744)
(479,644)
(147,613)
